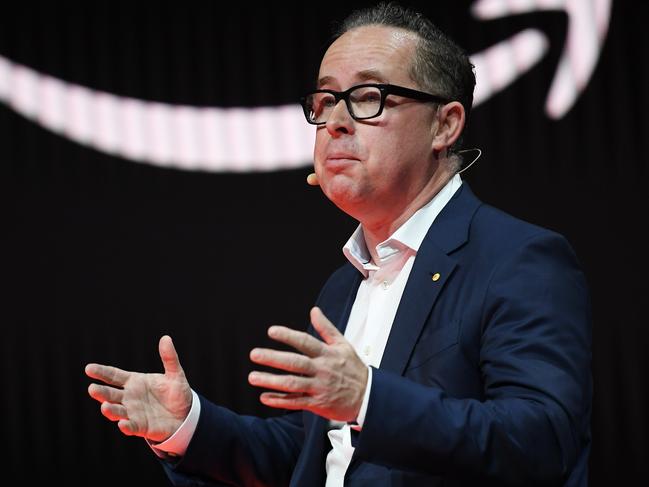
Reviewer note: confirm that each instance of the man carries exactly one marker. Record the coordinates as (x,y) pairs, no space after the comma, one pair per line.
(455,344)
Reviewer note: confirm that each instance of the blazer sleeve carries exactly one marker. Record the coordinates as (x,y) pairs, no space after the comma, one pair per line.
(232,449)
(534,362)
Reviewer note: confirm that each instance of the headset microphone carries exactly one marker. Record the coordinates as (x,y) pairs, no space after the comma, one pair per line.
(312,179)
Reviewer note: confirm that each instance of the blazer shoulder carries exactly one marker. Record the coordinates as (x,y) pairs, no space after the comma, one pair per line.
(493,225)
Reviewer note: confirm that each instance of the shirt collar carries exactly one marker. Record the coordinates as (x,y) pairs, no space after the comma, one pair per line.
(409,235)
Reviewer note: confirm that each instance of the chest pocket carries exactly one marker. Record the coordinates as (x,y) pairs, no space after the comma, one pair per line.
(431,344)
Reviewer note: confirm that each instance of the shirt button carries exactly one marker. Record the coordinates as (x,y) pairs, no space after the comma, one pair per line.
(367,350)
(385,284)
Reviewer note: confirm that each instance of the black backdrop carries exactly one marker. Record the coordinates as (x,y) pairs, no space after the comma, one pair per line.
(102,255)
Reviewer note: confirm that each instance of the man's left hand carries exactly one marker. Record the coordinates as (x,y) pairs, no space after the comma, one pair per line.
(327,378)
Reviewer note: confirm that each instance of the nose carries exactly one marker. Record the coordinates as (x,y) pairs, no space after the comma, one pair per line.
(340,121)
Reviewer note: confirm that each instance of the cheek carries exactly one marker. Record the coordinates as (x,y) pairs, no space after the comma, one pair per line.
(319,150)
(387,150)
(413,142)
(399,156)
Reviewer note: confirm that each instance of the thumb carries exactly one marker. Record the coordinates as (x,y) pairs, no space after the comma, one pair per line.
(169,356)
(325,328)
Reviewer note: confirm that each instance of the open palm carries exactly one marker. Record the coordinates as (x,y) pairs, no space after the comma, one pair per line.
(149,405)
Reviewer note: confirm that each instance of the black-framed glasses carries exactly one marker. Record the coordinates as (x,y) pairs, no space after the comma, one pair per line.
(363,101)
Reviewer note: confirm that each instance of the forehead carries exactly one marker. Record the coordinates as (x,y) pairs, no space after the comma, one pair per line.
(373,52)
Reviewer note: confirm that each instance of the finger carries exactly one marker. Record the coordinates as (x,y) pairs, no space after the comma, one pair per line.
(128,427)
(169,356)
(286,383)
(288,361)
(114,412)
(285,401)
(305,343)
(105,393)
(108,374)
(325,328)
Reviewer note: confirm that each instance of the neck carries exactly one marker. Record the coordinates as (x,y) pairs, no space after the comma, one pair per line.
(377,230)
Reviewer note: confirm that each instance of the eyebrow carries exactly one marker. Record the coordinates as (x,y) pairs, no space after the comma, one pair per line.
(366,75)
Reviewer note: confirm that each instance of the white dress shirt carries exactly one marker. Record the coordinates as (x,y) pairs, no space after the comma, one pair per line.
(369,323)
(375,307)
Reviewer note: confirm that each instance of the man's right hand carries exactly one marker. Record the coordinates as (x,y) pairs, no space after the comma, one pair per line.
(149,405)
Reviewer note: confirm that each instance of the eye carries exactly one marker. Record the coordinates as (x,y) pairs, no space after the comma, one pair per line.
(366,96)
(325,100)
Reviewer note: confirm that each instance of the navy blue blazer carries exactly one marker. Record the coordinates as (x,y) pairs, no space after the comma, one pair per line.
(485,379)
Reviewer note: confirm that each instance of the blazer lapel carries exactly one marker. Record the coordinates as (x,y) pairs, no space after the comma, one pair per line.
(340,321)
(427,278)
(432,268)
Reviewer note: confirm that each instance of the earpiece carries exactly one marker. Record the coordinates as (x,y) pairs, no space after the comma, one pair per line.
(479,151)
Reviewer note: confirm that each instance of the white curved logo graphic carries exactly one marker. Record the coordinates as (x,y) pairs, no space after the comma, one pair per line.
(499,65)
(272,138)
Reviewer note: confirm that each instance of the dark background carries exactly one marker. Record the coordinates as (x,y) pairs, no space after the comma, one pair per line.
(104,255)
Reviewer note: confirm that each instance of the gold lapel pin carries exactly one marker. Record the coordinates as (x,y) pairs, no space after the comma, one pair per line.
(436,277)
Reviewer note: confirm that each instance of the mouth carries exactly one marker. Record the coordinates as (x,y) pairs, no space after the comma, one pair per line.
(338,162)
(341,156)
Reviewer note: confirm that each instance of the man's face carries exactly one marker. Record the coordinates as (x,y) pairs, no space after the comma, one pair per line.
(373,169)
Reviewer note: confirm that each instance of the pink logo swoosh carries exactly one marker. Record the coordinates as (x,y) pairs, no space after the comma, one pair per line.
(273,138)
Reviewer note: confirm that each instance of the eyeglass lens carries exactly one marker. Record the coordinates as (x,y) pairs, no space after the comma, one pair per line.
(365,102)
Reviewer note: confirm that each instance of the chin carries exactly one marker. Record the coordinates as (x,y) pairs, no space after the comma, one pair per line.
(342,193)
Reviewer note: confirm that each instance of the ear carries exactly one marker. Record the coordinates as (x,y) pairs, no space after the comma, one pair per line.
(450,118)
